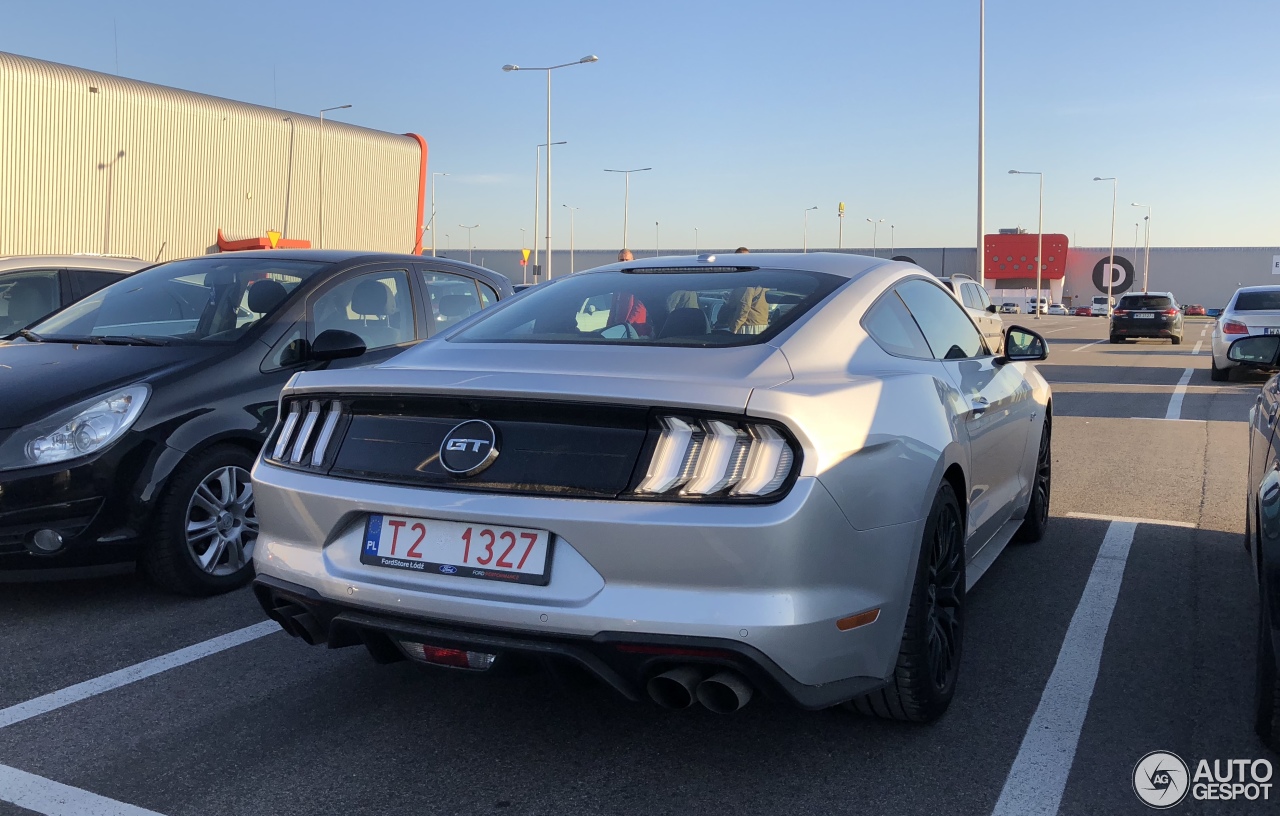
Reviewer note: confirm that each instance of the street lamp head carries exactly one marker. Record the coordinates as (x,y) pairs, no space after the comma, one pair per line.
(1136,204)
(810,208)
(511,67)
(1014,172)
(589,58)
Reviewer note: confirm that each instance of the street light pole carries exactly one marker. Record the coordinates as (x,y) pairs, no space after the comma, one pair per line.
(537,167)
(806,228)
(891,240)
(655,239)
(432,223)
(695,240)
(589,58)
(524,267)
(626,199)
(323,111)
(875,225)
(1039,235)
(982,147)
(469,247)
(1146,252)
(1111,257)
(570,209)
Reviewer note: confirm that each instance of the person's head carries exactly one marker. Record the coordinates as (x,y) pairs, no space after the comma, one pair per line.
(625,255)
(741,251)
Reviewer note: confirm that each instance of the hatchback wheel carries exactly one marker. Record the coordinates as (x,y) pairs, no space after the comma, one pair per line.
(207,526)
(1218,374)
(924,679)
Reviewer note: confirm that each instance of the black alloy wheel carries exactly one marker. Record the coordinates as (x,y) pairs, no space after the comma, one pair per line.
(1036,521)
(924,678)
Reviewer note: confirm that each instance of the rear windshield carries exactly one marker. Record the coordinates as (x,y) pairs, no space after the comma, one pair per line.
(1146,302)
(1261,301)
(1102,299)
(692,308)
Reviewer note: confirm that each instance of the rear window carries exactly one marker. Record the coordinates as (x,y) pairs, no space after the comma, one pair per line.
(1101,300)
(1146,302)
(1262,301)
(692,308)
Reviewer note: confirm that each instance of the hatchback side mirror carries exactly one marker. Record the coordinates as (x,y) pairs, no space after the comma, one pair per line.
(1259,351)
(992,308)
(336,344)
(1022,346)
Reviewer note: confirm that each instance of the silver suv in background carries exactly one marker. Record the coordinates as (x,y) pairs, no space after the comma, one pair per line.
(35,286)
(979,306)
(1252,310)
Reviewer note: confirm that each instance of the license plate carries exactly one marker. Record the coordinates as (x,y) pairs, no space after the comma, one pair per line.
(514,555)
(1144,315)
(1275,330)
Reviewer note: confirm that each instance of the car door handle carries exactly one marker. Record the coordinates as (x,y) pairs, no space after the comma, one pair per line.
(979,405)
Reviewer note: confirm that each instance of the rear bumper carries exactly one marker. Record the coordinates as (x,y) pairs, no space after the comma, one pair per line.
(621,660)
(773,579)
(1145,328)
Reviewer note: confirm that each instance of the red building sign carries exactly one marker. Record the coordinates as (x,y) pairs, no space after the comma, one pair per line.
(1013,256)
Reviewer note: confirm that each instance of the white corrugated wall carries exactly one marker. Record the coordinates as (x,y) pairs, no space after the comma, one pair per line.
(135,166)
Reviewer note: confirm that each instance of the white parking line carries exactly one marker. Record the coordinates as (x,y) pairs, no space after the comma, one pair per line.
(1130,519)
(1175,402)
(1196,350)
(1039,774)
(51,798)
(1086,345)
(132,674)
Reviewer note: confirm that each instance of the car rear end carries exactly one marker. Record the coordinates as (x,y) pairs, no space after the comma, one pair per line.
(637,520)
(1252,310)
(1147,315)
(1101,305)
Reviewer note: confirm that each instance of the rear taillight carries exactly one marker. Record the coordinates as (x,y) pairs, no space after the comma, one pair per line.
(306,432)
(1234,327)
(1120,312)
(703,458)
(1171,312)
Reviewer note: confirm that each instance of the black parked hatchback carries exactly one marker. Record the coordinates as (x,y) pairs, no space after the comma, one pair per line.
(130,420)
(1147,314)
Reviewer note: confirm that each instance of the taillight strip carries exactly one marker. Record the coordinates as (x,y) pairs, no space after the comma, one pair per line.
(326,433)
(308,425)
(290,422)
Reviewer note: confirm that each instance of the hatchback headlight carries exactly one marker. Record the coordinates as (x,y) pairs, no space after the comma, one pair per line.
(78,431)
(717,459)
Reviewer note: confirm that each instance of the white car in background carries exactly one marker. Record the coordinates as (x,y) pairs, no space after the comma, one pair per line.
(985,314)
(1102,305)
(1252,310)
(1057,309)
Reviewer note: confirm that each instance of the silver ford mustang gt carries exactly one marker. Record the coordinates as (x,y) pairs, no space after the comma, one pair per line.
(696,478)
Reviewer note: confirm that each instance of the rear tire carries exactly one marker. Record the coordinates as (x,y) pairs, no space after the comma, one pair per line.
(924,679)
(206,515)
(1267,688)
(1218,374)
(1036,521)
(1115,340)
(1176,340)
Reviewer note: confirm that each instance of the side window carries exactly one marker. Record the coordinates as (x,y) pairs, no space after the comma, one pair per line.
(376,306)
(982,296)
(288,350)
(947,327)
(452,298)
(892,327)
(969,296)
(27,296)
(85,282)
(488,296)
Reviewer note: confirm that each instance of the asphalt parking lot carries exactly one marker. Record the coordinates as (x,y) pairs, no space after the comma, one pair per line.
(1143,569)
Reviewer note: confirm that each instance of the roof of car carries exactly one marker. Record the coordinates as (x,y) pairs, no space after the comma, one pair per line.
(349,255)
(1147,294)
(1270,288)
(114,263)
(835,263)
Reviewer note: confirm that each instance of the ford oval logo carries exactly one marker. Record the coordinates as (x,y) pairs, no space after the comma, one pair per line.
(448,569)
(469,448)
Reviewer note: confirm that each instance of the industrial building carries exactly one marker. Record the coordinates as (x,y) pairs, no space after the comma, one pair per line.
(91,162)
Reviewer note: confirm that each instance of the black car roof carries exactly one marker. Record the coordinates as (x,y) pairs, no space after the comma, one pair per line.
(354,256)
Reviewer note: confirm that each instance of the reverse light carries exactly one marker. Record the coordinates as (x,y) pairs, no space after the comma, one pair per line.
(441,656)
(699,458)
(300,443)
(1234,327)
(78,431)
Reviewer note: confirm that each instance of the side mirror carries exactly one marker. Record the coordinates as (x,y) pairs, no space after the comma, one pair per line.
(1023,346)
(336,344)
(992,308)
(1259,351)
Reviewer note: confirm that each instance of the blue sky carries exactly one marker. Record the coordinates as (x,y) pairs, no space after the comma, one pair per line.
(750,112)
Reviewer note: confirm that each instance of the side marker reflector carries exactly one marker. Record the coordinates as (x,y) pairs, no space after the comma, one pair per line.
(860,619)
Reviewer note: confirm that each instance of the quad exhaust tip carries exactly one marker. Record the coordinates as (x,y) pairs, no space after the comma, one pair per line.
(723,692)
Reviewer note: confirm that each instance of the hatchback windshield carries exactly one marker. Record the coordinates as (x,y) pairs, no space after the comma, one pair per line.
(1263,300)
(1146,302)
(685,307)
(205,300)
